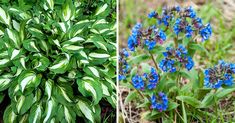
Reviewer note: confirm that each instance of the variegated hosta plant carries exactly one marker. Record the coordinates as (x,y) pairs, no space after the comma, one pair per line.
(57,59)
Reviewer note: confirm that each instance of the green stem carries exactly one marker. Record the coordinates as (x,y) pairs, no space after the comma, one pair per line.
(155,63)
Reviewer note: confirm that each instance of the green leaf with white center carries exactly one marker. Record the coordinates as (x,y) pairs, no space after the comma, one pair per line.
(112,100)
(72,48)
(90,88)
(78,28)
(48,88)
(16,25)
(3,62)
(4,17)
(35,115)
(50,4)
(50,110)
(5,82)
(62,91)
(19,13)
(99,55)
(86,110)
(36,32)
(102,9)
(69,115)
(22,62)
(42,63)
(9,115)
(14,37)
(105,90)
(74,40)
(90,70)
(30,46)
(14,53)
(60,65)
(24,103)
(28,79)
(68,11)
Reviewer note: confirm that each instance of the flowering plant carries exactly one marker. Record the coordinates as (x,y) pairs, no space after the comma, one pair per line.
(160,67)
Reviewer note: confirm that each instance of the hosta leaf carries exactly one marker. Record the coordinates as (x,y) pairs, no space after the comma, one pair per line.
(99,55)
(9,115)
(50,4)
(4,17)
(24,103)
(21,14)
(50,110)
(30,46)
(1,97)
(28,79)
(42,64)
(36,33)
(14,53)
(67,11)
(69,114)
(48,88)
(105,90)
(112,100)
(60,65)
(5,82)
(86,110)
(102,9)
(72,48)
(14,37)
(92,71)
(78,28)
(3,62)
(90,87)
(73,40)
(36,114)
(64,94)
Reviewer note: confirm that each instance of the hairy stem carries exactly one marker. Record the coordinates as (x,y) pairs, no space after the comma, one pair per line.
(154,61)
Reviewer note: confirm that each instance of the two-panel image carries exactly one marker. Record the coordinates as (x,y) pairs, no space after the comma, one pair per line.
(117,61)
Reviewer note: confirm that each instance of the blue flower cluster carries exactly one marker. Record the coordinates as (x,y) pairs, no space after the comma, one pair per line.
(176,55)
(133,40)
(159,102)
(219,75)
(158,36)
(123,65)
(152,79)
(138,82)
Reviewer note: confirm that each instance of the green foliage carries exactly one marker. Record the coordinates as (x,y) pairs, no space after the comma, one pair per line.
(189,100)
(57,59)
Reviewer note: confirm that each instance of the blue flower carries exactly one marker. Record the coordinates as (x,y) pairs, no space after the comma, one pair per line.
(167,65)
(177,8)
(176,27)
(152,14)
(153,78)
(125,52)
(121,77)
(190,12)
(138,82)
(132,43)
(188,31)
(206,32)
(162,35)
(159,102)
(133,39)
(219,75)
(150,44)
(165,18)
(197,22)
(189,65)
